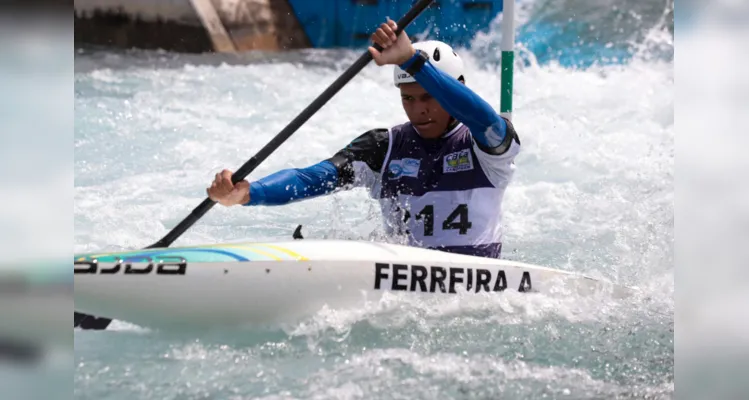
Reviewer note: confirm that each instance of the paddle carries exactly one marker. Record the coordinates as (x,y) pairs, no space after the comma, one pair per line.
(297,122)
(252,163)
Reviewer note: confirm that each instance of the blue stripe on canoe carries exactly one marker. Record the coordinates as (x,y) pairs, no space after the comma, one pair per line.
(177,252)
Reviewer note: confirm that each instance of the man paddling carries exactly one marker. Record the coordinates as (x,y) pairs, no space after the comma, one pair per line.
(440,177)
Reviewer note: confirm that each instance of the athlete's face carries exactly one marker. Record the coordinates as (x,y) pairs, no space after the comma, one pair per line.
(424,112)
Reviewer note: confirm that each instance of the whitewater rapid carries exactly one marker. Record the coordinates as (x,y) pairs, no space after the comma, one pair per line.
(593,192)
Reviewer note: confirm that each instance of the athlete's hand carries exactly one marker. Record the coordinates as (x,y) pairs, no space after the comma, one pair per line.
(395,50)
(223,192)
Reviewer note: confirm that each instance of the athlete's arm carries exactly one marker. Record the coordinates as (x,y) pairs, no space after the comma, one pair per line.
(362,159)
(488,128)
(337,172)
(289,185)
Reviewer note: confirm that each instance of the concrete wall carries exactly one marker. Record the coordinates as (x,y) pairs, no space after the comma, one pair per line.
(262,24)
(182,25)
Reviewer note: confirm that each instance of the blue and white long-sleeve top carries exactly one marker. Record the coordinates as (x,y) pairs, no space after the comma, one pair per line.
(457,181)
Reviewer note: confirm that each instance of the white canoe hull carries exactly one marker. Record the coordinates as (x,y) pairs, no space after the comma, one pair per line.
(274,284)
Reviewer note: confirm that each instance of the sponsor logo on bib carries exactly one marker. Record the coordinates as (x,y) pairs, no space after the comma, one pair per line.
(405,167)
(458,161)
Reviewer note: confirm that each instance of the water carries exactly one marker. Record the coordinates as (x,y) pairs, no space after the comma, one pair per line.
(593,193)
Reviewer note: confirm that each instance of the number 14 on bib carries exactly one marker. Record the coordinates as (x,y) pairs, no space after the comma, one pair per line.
(457,219)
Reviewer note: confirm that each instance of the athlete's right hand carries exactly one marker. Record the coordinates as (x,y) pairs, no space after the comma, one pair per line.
(396,50)
(223,192)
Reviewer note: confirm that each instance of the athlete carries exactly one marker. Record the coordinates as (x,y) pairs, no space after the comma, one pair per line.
(439,178)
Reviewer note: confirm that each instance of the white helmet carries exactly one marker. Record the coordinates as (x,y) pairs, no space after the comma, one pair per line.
(441,55)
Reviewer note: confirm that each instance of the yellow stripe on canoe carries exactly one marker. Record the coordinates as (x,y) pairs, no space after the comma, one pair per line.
(285,251)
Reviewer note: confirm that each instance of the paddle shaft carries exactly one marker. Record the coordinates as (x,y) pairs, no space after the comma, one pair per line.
(289,130)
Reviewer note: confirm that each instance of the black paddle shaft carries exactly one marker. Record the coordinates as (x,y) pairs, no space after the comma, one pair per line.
(292,127)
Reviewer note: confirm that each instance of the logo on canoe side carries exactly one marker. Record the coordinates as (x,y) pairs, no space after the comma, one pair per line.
(417,278)
(178,266)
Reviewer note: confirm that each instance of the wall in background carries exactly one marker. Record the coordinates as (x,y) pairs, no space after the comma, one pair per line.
(349,23)
(181,25)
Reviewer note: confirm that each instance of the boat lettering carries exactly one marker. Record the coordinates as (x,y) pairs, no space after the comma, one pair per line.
(143,266)
(419,278)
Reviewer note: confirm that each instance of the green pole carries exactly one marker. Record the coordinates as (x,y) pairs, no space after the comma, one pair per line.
(507,46)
